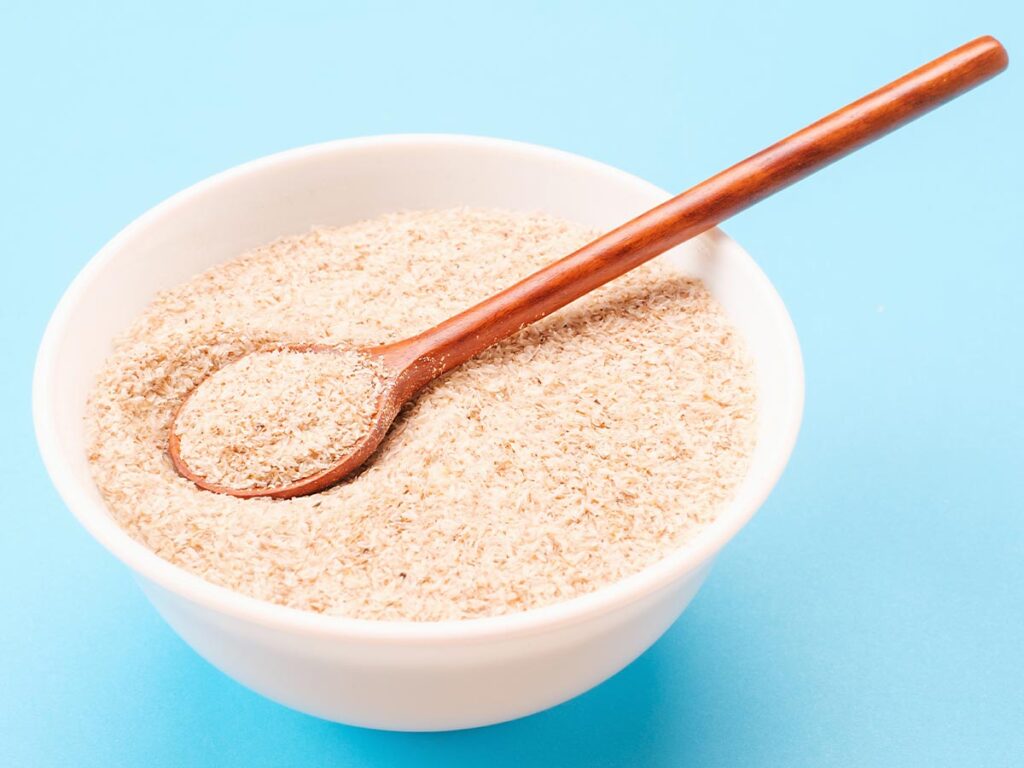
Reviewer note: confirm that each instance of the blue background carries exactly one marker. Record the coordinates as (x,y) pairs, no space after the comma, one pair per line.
(873,612)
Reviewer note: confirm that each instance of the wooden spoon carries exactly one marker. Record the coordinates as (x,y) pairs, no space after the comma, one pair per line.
(410,364)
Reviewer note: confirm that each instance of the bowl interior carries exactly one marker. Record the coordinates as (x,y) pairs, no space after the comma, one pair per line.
(343,182)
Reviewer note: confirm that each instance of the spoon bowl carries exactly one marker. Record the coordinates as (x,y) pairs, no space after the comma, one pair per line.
(405,372)
(388,404)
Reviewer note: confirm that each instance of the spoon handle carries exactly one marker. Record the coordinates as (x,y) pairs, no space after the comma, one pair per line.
(700,208)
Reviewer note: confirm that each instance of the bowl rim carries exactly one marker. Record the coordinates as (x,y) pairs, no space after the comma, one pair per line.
(95,518)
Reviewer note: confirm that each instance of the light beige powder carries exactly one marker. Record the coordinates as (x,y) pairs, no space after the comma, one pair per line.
(585,448)
(276,417)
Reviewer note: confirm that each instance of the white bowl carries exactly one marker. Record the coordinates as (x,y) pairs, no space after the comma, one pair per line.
(400,675)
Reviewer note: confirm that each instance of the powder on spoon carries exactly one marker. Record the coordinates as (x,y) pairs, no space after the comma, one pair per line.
(276,417)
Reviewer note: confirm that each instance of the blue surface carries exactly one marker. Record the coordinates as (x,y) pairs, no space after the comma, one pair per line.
(872,614)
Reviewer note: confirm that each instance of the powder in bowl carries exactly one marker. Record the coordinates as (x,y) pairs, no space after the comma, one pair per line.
(273,418)
(576,453)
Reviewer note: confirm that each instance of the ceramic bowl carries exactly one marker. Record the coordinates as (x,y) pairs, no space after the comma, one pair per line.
(401,675)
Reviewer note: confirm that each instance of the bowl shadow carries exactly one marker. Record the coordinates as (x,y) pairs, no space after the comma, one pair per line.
(655,712)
